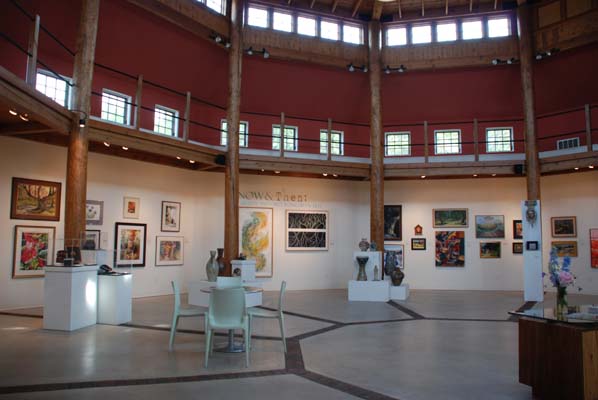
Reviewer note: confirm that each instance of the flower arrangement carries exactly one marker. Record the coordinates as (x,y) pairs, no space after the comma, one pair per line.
(561,277)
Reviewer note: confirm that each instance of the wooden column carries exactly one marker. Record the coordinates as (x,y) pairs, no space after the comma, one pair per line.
(187,118)
(588,113)
(76,168)
(138,94)
(231,184)
(376,139)
(32,59)
(526,50)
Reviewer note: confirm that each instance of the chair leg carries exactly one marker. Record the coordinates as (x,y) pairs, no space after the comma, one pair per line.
(250,321)
(208,345)
(284,341)
(247,348)
(175,322)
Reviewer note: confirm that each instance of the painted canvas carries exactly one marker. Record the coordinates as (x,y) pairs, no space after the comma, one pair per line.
(517,247)
(129,245)
(131,207)
(564,226)
(171,216)
(392,224)
(92,240)
(450,248)
(517,229)
(94,212)
(255,238)
(418,243)
(34,247)
(489,226)
(399,249)
(307,230)
(490,250)
(565,248)
(35,200)
(594,248)
(450,218)
(169,250)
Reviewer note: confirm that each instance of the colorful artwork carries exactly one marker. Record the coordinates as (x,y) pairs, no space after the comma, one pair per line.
(94,212)
(418,230)
(490,250)
(392,223)
(129,245)
(34,247)
(255,238)
(450,218)
(418,243)
(450,248)
(564,226)
(171,216)
(397,248)
(489,226)
(517,229)
(92,240)
(131,207)
(594,248)
(565,248)
(37,200)
(307,230)
(169,250)
(517,247)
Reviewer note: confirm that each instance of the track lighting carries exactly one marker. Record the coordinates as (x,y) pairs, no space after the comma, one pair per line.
(178,157)
(219,40)
(548,53)
(265,53)
(352,68)
(12,112)
(192,161)
(81,123)
(388,69)
(498,61)
(125,148)
(82,118)
(24,117)
(250,51)
(106,144)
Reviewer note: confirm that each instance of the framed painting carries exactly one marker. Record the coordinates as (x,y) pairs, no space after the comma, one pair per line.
(92,240)
(418,243)
(594,248)
(169,250)
(255,238)
(399,249)
(564,226)
(565,248)
(450,218)
(517,229)
(129,244)
(489,226)
(307,230)
(392,224)
(131,207)
(490,250)
(34,247)
(532,246)
(450,249)
(35,200)
(171,216)
(517,247)
(94,212)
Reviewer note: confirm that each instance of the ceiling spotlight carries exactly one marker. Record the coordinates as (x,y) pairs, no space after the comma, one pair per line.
(539,56)
(106,144)
(591,167)
(12,112)
(24,117)
(423,177)
(125,148)
(218,39)
(277,172)
(511,61)
(493,174)
(266,54)
(178,157)
(335,175)
(325,174)
(262,170)
(576,168)
(192,161)
(387,70)
(475,175)
(82,123)
(402,68)
(495,61)
(365,68)
(250,51)
(227,45)
(351,67)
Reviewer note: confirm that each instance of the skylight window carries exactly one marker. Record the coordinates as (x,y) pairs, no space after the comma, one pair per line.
(446,32)
(257,17)
(352,34)
(306,26)
(472,30)
(396,36)
(498,27)
(282,21)
(329,30)
(421,34)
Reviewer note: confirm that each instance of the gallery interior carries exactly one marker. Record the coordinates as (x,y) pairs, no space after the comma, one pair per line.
(405,190)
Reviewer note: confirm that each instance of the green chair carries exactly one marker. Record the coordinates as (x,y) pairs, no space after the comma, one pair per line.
(187,311)
(227,312)
(228,282)
(254,312)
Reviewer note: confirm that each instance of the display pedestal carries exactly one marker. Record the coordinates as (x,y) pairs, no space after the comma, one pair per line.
(374,258)
(399,292)
(70,297)
(247,268)
(369,291)
(114,299)
(199,298)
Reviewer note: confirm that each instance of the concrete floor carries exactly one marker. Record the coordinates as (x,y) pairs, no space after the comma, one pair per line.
(437,344)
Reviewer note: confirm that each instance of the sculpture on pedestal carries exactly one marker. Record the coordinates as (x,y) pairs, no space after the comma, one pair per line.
(362,261)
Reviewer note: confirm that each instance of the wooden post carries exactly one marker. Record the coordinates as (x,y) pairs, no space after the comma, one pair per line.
(282,125)
(527,86)
(329,138)
(476,146)
(76,169)
(426,149)
(32,59)
(376,139)
(138,94)
(187,114)
(588,127)
(231,184)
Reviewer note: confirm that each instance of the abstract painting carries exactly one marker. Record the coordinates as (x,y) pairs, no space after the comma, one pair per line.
(399,249)
(490,250)
(392,223)
(565,248)
(307,230)
(450,218)
(169,250)
(489,226)
(171,216)
(129,245)
(564,226)
(36,200)
(450,248)
(255,238)
(94,212)
(34,247)
(594,248)
(131,207)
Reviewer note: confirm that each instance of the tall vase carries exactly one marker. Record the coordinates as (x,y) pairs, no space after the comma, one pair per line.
(561,302)
(212,267)
(220,261)
(362,261)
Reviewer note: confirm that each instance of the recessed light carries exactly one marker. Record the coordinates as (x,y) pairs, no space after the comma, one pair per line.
(325,174)
(24,117)
(475,175)
(335,175)
(277,172)
(192,161)
(493,174)
(262,170)
(178,158)
(591,167)
(423,177)
(577,168)
(106,144)
(12,112)
(125,148)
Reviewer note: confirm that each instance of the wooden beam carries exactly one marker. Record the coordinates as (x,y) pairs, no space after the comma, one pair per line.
(588,113)
(356,7)
(186,123)
(400,10)
(470,5)
(313,2)
(334,5)
(377,10)
(32,49)
(446,7)
(24,128)
(138,94)
(423,9)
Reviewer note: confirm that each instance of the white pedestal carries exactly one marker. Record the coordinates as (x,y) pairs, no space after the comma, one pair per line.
(199,298)
(114,299)
(374,258)
(247,268)
(70,297)
(399,292)
(369,291)
(533,285)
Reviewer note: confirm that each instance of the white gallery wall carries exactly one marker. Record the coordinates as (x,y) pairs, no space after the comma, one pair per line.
(202,221)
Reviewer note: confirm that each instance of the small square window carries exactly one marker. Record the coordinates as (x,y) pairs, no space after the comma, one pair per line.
(115,107)
(290,138)
(243,133)
(447,142)
(352,34)
(336,142)
(499,140)
(56,88)
(166,120)
(499,27)
(257,17)
(396,36)
(472,30)
(446,32)
(282,22)
(306,26)
(397,144)
(216,5)
(421,34)
(329,30)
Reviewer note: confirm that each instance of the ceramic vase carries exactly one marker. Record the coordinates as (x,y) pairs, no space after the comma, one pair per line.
(361,275)
(212,267)
(220,261)
(397,276)
(364,245)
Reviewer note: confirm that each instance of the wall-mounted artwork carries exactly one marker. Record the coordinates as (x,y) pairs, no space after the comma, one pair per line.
(564,248)
(517,229)
(490,250)
(517,247)
(594,248)
(169,250)
(131,207)
(34,247)
(307,230)
(92,240)
(255,238)
(36,200)
(489,226)
(94,212)
(418,243)
(399,250)
(450,248)
(418,230)
(450,218)
(129,244)
(171,216)
(564,226)
(393,224)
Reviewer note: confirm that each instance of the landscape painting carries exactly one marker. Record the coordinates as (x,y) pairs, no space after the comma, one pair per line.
(307,230)
(255,238)
(564,226)
(490,250)
(35,200)
(392,223)
(450,248)
(565,248)
(489,226)
(450,218)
